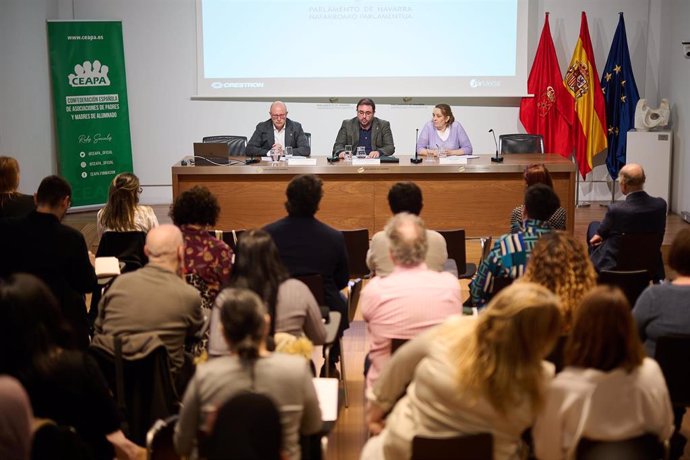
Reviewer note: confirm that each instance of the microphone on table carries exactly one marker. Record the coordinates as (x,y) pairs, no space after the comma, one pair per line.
(496,159)
(416,160)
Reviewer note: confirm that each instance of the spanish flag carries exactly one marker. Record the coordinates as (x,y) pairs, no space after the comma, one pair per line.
(589,118)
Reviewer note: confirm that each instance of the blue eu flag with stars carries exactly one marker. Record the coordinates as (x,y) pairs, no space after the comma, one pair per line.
(621,96)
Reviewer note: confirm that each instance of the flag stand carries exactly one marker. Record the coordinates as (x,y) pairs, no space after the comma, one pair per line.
(577,187)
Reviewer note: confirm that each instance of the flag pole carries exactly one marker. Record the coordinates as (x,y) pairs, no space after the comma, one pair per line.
(577,186)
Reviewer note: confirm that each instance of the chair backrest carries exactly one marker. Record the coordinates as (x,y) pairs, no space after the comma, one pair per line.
(644,447)
(466,447)
(357,244)
(673,355)
(455,243)
(315,284)
(631,282)
(128,247)
(52,441)
(247,426)
(640,251)
(355,288)
(237,145)
(520,143)
(500,283)
(230,237)
(486,243)
(308,135)
(397,343)
(159,440)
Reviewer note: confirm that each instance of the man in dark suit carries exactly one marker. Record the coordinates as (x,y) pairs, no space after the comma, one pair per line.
(41,245)
(365,130)
(308,246)
(278,132)
(639,213)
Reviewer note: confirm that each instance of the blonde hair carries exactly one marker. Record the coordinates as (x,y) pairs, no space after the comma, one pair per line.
(500,359)
(123,197)
(9,177)
(560,263)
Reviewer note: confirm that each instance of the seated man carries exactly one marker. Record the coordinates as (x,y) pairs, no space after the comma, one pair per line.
(365,130)
(154,299)
(405,197)
(508,258)
(409,300)
(278,132)
(639,213)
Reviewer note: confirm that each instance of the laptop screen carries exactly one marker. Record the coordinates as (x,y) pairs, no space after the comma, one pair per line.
(210,153)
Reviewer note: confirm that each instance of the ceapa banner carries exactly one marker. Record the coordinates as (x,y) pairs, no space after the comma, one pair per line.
(87,67)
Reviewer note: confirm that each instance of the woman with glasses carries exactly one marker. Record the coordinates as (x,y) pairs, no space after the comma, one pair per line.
(443,134)
(122,212)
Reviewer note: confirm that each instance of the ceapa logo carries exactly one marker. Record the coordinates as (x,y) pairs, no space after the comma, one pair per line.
(87,74)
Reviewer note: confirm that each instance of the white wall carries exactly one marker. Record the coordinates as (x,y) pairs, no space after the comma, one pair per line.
(160,53)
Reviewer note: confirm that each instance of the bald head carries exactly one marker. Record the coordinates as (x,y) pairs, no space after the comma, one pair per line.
(631,178)
(407,236)
(164,246)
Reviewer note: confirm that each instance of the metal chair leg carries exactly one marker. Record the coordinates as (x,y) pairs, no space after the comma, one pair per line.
(342,372)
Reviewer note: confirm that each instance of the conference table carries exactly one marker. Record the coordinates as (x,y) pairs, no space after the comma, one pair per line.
(477,196)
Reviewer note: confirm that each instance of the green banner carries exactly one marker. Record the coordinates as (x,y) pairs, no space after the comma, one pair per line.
(87,67)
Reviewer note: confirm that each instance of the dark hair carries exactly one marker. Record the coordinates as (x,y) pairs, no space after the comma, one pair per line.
(196,206)
(123,197)
(405,197)
(679,256)
(367,101)
(304,194)
(242,315)
(31,324)
(541,202)
(537,173)
(52,190)
(604,335)
(9,175)
(447,112)
(258,267)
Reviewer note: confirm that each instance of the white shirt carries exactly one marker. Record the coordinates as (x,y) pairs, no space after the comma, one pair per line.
(279,136)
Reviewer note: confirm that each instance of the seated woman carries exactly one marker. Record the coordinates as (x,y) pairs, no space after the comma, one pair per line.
(290,303)
(249,367)
(537,174)
(468,375)
(207,260)
(443,132)
(64,385)
(12,203)
(608,391)
(122,212)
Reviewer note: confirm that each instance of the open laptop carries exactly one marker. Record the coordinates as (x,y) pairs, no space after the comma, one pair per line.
(211,153)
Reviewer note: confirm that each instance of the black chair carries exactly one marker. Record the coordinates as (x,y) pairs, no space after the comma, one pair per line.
(308,135)
(159,440)
(357,244)
(128,247)
(640,251)
(631,282)
(58,442)
(466,447)
(500,283)
(237,145)
(354,291)
(673,355)
(520,143)
(644,447)
(455,242)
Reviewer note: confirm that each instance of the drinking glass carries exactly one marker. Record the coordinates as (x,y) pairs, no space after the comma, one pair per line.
(348,153)
(275,156)
(442,152)
(431,153)
(361,152)
(288,152)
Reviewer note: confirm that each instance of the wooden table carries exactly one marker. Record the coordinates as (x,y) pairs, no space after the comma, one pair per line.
(478,196)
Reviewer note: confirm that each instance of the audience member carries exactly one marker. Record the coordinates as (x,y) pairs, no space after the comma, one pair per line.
(405,197)
(365,130)
(443,132)
(608,391)
(560,263)
(64,385)
(278,132)
(307,246)
(16,420)
(56,253)
(122,212)
(12,203)
(639,213)
(207,260)
(468,375)
(291,305)
(411,299)
(249,367)
(154,299)
(509,255)
(537,174)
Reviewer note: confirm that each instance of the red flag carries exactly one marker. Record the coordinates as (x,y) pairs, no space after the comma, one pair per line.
(589,121)
(549,112)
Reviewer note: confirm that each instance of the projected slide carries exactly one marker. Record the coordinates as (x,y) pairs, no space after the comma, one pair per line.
(299,48)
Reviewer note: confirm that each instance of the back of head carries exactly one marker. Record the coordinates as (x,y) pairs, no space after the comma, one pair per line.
(541,202)
(679,256)
(604,335)
(502,358)
(196,206)
(632,176)
(242,314)
(407,239)
(163,245)
(304,194)
(405,197)
(52,190)
(537,174)
(9,175)
(561,264)
(123,197)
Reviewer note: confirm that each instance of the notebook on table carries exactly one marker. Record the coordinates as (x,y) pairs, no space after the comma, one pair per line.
(211,153)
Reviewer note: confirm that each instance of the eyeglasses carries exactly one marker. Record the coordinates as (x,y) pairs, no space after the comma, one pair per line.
(141,189)
(363,113)
(279,115)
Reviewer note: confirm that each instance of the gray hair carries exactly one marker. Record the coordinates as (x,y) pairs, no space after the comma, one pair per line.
(407,237)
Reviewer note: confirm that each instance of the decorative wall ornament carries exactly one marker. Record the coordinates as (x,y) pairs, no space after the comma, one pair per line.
(647,118)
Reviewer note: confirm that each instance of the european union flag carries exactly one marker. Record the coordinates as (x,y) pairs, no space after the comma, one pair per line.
(621,96)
